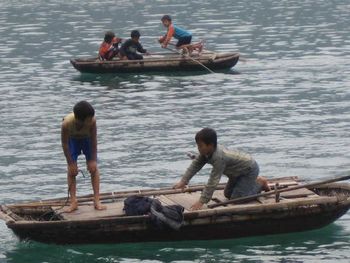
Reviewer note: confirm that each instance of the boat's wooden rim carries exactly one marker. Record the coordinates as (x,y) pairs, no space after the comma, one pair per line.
(169,59)
(209,213)
(247,209)
(287,181)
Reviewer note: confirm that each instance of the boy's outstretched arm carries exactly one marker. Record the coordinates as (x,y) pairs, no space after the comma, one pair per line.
(92,164)
(210,187)
(168,37)
(71,165)
(195,166)
(94,139)
(179,185)
(64,142)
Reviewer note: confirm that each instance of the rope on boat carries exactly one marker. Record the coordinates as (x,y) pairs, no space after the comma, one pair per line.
(188,56)
(53,211)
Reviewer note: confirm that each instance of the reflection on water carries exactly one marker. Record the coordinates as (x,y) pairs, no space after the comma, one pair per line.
(147,80)
(286,102)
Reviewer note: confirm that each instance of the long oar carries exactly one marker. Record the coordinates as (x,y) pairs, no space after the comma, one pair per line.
(188,56)
(253,197)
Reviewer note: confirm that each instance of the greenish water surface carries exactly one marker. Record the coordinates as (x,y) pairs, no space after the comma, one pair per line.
(287,102)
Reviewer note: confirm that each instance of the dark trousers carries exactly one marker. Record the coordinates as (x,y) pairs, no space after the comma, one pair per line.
(111,53)
(244,184)
(134,56)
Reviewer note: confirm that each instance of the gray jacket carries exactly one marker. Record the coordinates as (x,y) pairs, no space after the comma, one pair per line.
(232,163)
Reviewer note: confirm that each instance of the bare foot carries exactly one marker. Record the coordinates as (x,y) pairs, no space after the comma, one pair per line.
(71,208)
(264,183)
(98,206)
(200,49)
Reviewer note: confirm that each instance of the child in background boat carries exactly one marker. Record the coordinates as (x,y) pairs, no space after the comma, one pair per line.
(130,47)
(109,47)
(241,169)
(184,37)
(78,135)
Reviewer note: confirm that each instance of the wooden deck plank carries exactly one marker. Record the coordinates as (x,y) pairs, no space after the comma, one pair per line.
(185,199)
(165,200)
(89,212)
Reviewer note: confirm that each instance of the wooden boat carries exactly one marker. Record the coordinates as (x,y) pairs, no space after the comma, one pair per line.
(289,211)
(158,62)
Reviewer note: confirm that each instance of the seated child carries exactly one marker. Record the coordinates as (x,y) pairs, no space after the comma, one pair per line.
(241,169)
(109,47)
(130,47)
(184,37)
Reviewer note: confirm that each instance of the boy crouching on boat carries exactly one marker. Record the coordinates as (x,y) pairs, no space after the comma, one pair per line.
(131,46)
(184,37)
(109,47)
(241,169)
(78,135)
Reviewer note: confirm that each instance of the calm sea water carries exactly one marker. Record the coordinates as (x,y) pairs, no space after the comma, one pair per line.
(287,104)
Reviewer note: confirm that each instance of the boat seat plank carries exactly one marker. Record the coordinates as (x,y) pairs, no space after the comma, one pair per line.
(85,212)
(283,184)
(219,196)
(294,194)
(302,192)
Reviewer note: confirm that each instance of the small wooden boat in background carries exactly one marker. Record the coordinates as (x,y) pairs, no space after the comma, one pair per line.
(158,62)
(290,211)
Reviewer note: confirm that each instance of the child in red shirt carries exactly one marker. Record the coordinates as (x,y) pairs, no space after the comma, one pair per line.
(109,47)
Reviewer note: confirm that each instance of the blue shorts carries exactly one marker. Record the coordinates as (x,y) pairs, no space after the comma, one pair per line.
(79,146)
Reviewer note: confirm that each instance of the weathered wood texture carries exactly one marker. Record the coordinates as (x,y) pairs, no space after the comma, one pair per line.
(299,210)
(158,63)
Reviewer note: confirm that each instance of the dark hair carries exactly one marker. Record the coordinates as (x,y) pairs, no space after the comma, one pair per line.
(109,35)
(83,110)
(135,33)
(166,17)
(207,135)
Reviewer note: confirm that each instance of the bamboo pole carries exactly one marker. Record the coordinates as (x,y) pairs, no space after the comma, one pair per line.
(253,197)
(5,217)
(118,195)
(124,194)
(262,208)
(6,210)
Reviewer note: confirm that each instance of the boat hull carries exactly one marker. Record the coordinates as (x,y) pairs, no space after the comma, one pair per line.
(109,231)
(162,64)
(270,219)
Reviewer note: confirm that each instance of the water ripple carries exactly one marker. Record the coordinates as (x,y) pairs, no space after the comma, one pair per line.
(286,102)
